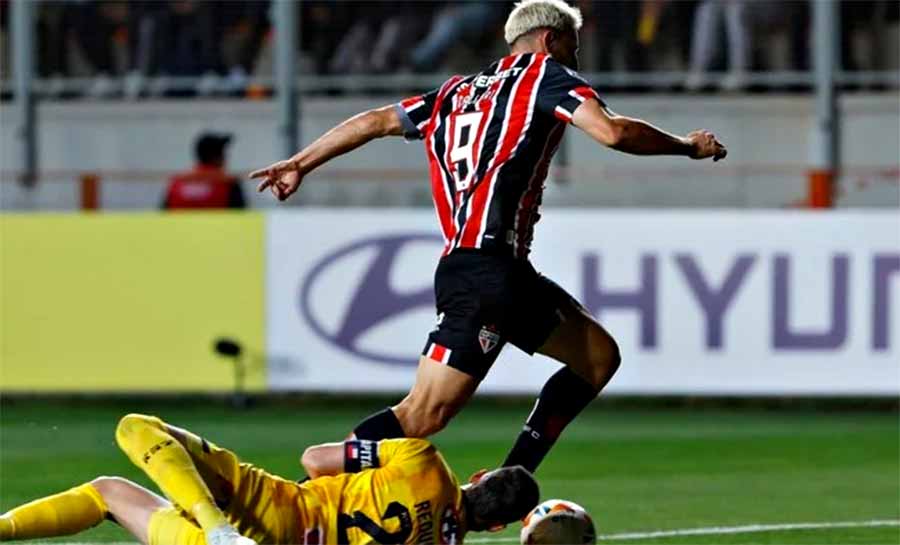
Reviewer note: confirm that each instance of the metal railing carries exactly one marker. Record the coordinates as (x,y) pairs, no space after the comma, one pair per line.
(332,185)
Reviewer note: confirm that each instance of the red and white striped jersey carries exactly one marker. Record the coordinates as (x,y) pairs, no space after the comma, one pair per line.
(489,139)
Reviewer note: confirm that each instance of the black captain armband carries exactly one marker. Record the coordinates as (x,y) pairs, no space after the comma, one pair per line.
(360,454)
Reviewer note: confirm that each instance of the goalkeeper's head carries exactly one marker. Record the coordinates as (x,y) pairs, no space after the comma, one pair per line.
(499,497)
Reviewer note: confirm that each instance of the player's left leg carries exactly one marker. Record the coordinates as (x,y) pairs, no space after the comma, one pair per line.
(195,476)
(591,357)
(151,447)
(259,505)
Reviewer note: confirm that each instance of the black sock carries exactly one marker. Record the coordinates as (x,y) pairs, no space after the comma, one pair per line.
(564,396)
(381,425)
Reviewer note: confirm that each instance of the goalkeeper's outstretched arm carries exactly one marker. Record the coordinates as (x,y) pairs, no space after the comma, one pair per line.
(284,177)
(356,455)
(324,459)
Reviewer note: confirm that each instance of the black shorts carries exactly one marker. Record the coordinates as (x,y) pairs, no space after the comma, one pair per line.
(483,302)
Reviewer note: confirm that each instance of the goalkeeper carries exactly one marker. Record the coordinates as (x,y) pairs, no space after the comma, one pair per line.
(392,491)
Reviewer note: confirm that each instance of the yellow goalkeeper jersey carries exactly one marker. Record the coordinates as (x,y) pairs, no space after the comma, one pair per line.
(395,491)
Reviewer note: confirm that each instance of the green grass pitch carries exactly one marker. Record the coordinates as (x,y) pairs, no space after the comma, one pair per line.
(635,470)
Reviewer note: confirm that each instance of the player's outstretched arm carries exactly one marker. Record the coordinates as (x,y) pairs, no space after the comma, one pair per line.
(284,177)
(641,138)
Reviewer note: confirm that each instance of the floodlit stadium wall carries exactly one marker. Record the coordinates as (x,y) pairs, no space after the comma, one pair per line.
(702,303)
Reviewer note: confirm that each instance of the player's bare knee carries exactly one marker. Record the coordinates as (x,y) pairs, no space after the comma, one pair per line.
(109,486)
(604,360)
(103,485)
(613,359)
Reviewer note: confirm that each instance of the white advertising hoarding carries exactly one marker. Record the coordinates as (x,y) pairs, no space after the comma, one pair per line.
(709,303)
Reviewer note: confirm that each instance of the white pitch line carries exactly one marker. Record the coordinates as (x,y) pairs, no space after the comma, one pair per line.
(720,530)
(710,530)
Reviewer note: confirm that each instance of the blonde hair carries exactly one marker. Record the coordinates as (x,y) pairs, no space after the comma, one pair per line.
(529,15)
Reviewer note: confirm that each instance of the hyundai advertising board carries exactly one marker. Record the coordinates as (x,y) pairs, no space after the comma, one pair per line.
(755,303)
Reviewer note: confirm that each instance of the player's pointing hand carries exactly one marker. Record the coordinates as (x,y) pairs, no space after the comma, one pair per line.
(705,145)
(282,178)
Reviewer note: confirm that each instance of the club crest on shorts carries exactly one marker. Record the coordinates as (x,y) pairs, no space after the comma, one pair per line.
(488,338)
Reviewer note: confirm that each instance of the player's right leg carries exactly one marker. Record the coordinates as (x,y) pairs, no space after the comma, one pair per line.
(470,291)
(132,506)
(84,507)
(168,455)
(439,393)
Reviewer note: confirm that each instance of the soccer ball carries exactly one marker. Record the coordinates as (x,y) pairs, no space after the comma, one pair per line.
(558,522)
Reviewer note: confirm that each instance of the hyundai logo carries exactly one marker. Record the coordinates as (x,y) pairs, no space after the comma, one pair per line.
(374,300)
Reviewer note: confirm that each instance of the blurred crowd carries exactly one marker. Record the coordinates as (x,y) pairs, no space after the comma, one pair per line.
(128,47)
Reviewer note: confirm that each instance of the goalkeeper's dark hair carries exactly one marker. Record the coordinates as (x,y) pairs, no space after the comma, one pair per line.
(502,496)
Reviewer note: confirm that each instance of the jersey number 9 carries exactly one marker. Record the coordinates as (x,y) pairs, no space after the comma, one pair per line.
(461,155)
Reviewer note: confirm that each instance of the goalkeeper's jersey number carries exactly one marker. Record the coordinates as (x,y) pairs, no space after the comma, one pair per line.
(359,520)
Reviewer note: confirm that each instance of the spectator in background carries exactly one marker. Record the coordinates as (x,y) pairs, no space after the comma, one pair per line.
(781,37)
(187,43)
(219,41)
(54,21)
(673,28)
(706,42)
(617,26)
(100,28)
(380,34)
(208,184)
(866,27)
(889,37)
(5,39)
(243,26)
(453,22)
(145,18)
(855,17)
(318,37)
(798,33)
(354,50)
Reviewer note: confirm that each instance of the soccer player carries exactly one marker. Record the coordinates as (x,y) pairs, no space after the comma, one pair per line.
(393,491)
(489,138)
